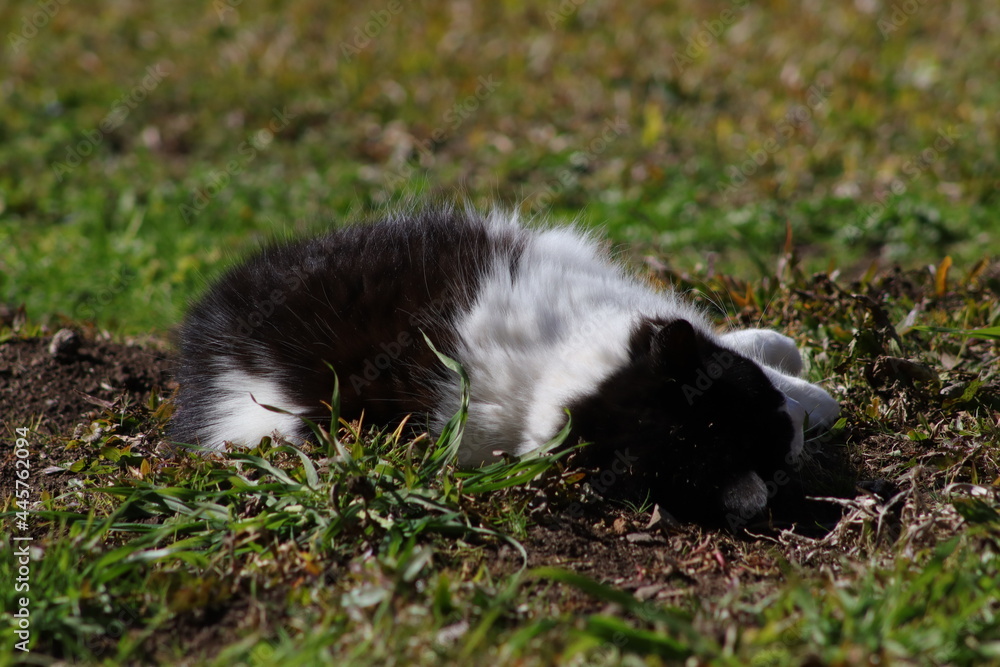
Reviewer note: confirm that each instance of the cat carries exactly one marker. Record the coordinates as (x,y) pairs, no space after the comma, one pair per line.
(544,321)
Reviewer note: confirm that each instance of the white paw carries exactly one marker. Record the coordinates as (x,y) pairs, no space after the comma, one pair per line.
(767,347)
(822,408)
(815,404)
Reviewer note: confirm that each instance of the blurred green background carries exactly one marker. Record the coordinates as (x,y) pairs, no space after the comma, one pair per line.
(146,146)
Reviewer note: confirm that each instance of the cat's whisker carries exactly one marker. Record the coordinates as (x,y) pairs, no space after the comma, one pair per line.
(763,311)
(819,430)
(716,301)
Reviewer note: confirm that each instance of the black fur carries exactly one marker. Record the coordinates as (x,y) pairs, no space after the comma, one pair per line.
(667,399)
(354,298)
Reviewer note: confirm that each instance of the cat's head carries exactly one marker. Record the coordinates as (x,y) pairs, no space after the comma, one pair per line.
(698,427)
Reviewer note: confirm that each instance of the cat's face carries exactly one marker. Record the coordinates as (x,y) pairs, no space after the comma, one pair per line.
(702,428)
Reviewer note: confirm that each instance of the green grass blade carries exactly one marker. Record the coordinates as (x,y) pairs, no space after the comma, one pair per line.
(676,620)
(312,476)
(332,442)
(505,474)
(615,631)
(265,466)
(445,450)
(989,333)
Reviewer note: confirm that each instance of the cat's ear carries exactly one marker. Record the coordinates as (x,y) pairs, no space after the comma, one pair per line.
(674,346)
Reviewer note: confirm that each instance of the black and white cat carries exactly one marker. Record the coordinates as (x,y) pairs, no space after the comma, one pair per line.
(543,321)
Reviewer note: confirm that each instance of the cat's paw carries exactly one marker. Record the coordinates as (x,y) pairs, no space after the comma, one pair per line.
(810,401)
(820,407)
(767,347)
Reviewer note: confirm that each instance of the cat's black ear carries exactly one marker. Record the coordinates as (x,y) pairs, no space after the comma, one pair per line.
(674,346)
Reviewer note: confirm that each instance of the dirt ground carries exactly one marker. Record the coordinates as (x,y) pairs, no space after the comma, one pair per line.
(56,390)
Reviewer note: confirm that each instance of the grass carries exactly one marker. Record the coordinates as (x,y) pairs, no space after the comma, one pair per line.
(198,132)
(144,149)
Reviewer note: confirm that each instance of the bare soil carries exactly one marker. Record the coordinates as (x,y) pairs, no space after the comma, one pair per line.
(54,394)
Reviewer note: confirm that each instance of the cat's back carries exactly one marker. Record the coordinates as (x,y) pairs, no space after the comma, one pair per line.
(359,299)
